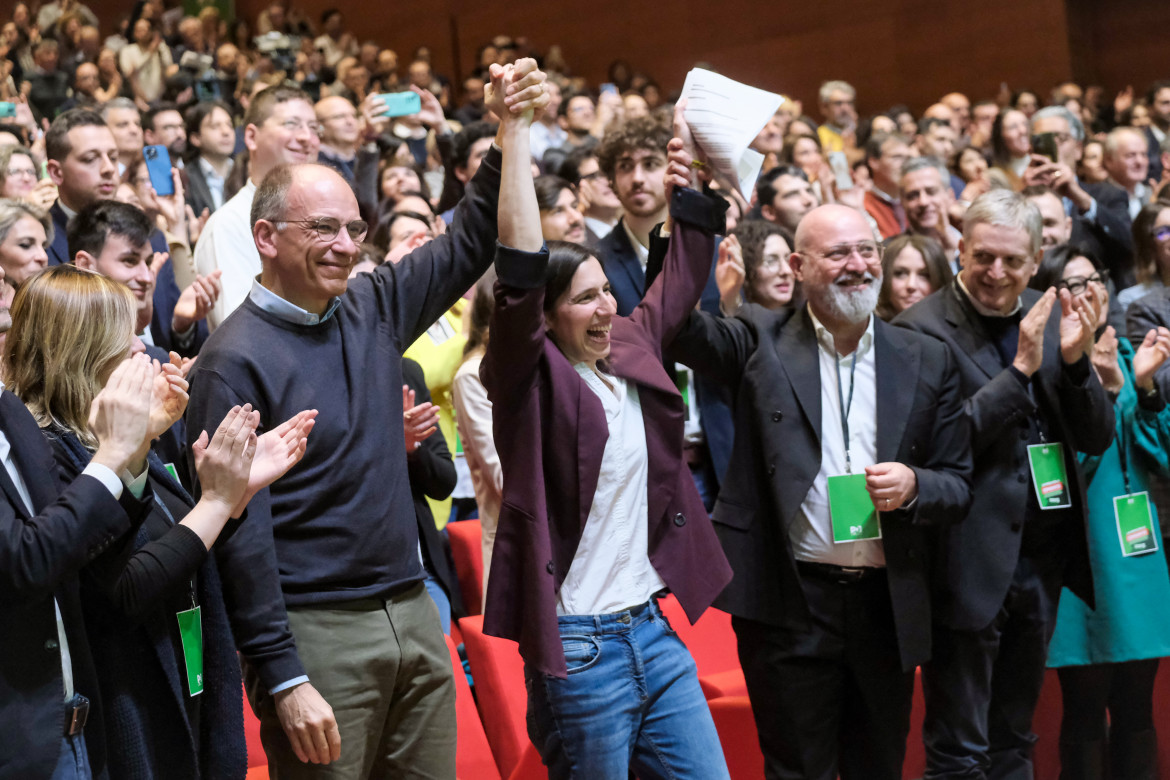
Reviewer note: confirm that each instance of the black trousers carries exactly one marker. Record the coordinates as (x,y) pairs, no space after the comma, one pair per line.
(832,698)
(982,686)
(1125,689)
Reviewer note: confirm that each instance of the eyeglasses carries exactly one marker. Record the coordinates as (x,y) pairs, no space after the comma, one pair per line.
(1160,234)
(327,228)
(31,172)
(1078,284)
(867,250)
(591,176)
(773,261)
(296,125)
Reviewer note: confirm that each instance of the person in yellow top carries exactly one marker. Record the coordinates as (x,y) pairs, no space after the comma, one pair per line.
(837,107)
(440,351)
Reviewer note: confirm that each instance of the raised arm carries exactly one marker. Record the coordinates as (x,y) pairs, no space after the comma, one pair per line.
(430,279)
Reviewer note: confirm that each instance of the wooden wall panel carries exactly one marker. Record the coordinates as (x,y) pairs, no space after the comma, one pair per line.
(910,51)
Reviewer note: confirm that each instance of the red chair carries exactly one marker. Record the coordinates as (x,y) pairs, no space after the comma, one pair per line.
(464,537)
(498,671)
(256,756)
(473,757)
(914,765)
(530,766)
(737,733)
(712,645)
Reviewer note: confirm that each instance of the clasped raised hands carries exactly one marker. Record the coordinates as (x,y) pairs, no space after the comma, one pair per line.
(516,93)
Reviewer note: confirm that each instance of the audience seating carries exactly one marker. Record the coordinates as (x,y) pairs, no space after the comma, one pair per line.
(464,537)
(737,733)
(473,757)
(712,644)
(498,672)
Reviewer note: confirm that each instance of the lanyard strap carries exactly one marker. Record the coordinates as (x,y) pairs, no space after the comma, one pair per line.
(1122,452)
(845,406)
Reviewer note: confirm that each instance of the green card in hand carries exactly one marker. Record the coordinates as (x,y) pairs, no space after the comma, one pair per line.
(851,509)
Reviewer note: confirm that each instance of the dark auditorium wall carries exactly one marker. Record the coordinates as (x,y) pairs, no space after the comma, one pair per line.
(898,50)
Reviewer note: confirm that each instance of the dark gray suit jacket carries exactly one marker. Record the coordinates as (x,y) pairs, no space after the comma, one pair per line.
(978,557)
(770,360)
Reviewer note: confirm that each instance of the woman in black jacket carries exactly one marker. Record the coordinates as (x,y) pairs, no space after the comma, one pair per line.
(169,681)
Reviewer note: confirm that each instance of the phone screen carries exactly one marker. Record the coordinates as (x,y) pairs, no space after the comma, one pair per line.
(158,167)
(1045,145)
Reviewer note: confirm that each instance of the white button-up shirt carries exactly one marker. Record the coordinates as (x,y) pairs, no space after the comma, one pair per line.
(611,570)
(811,532)
(227,245)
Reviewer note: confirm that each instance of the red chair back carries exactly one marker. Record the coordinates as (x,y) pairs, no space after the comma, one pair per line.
(473,757)
(468,554)
(498,672)
(737,733)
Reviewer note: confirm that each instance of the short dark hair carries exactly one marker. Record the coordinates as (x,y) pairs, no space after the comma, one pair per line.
(563,109)
(927,123)
(91,227)
(200,111)
(766,184)
(570,167)
(644,132)
(266,100)
(57,146)
(873,147)
(1052,265)
(1154,89)
(548,189)
(465,139)
(155,110)
(328,14)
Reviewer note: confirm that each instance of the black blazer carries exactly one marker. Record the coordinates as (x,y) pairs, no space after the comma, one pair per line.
(771,361)
(198,193)
(979,556)
(130,596)
(432,473)
(58,249)
(40,555)
(1110,238)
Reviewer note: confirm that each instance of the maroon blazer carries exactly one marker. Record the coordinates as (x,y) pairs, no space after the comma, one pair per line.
(550,431)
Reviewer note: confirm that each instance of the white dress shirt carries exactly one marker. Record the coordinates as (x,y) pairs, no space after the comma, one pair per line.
(811,532)
(611,570)
(227,245)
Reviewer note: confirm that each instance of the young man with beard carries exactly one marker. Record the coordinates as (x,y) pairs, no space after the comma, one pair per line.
(834,409)
(632,157)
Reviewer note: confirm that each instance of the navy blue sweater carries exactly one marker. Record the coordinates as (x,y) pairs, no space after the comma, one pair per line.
(340,525)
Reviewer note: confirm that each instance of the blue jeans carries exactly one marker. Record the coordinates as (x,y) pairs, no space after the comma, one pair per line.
(439,596)
(73,763)
(631,701)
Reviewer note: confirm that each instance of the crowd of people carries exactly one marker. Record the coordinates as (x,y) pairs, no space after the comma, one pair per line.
(902,407)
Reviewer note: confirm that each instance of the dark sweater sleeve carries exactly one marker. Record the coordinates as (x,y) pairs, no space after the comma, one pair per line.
(414,293)
(246,555)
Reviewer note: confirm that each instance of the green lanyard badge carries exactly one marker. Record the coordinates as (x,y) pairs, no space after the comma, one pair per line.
(1135,524)
(191,632)
(1049,475)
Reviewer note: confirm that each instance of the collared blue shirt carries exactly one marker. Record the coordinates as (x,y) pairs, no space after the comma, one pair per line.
(289,312)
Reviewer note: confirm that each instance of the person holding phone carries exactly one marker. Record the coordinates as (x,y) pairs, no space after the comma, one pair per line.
(146,62)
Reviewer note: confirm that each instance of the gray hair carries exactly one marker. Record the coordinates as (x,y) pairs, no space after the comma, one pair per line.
(12,211)
(1076,128)
(1004,208)
(118,102)
(1114,137)
(272,195)
(830,87)
(922,163)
